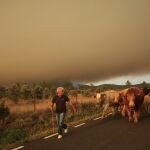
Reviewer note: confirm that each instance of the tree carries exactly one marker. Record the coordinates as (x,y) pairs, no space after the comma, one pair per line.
(14,92)
(74,93)
(2,92)
(25,91)
(38,92)
(128,83)
(52,91)
(68,85)
(46,93)
(144,84)
(4,113)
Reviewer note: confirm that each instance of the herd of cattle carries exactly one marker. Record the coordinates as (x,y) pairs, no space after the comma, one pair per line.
(128,102)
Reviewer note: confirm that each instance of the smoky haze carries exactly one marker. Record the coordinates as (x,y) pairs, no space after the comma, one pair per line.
(83,40)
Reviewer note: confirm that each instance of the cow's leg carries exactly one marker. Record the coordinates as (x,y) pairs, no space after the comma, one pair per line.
(139,112)
(106,106)
(129,113)
(123,111)
(119,109)
(136,116)
(113,111)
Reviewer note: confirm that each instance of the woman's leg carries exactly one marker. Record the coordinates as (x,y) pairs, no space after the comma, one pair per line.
(62,118)
(59,123)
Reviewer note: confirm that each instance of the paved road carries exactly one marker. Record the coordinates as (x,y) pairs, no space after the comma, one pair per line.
(114,133)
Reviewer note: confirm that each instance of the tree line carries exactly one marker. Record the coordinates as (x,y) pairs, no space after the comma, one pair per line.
(45,90)
(28,91)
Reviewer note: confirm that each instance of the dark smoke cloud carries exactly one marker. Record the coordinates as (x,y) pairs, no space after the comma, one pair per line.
(84,40)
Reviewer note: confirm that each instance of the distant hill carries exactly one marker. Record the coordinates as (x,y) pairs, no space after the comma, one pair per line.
(111,86)
(114,86)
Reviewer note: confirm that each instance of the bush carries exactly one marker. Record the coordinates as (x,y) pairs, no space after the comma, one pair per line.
(4,113)
(12,136)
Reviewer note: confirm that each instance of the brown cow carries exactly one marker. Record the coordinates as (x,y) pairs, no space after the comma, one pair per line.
(119,99)
(133,101)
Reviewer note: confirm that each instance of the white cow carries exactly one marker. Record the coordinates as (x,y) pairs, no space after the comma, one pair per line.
(108,99)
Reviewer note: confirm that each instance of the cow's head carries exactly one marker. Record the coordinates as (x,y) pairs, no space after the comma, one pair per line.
(101,98)
(131,100)
(98,97)
(117,97)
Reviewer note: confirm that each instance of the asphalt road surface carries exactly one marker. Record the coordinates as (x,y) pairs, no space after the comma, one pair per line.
(113,133)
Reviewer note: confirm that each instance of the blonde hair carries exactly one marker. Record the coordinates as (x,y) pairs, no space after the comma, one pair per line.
(60,89)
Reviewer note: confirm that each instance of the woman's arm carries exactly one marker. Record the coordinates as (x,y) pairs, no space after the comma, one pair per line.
(72,106)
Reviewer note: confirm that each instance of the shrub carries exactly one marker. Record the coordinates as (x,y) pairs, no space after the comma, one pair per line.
(11,136)
(4,113)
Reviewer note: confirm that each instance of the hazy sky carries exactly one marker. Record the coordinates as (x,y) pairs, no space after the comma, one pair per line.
(123,79)
(84,40)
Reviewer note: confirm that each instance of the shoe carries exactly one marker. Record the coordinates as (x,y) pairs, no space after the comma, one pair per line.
(59,136)
(66,131)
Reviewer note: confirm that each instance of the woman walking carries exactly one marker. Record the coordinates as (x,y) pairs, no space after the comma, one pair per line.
(60,100)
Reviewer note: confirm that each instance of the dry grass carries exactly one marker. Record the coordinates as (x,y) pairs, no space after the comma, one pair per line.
(39,124)
(84,100)
(25,106)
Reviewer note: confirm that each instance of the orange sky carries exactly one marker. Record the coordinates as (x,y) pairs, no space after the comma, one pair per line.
(85,40)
